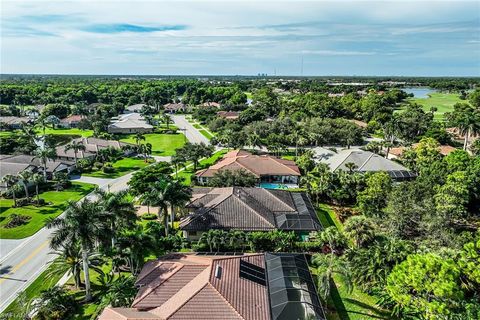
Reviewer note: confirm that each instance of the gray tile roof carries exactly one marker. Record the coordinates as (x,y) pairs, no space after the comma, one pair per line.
(250,209)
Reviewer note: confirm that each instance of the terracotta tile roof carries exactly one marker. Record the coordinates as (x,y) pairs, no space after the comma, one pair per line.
(210,104)
(229,115)
(219,292)
(249,209)
(72,118)
(255,164)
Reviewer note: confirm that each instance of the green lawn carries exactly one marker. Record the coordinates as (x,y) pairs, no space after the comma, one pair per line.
(197,126)
(442,101)
(206,134)
(122,167)
(43,282)
(186,174)
(355,305)
(58,200)
(162,144)
(72,131)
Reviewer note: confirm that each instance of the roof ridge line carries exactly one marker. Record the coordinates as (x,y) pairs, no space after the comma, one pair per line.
(365,162)
(254,211)
(276,160)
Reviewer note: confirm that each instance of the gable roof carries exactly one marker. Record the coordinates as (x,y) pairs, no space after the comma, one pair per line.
(250,209)
(174,106)
(255,164)
(229,115)
(52,165)
(219,291)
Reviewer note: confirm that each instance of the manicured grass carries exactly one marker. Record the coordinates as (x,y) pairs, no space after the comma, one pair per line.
(327,216)
(40,284)
(206,134)
(122,167)
(58,203)
(442,101)
(197,126)
(249,95)
(72,131)
(162,144)
(186,174)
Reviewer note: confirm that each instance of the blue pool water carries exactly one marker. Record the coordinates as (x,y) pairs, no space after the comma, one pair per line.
(267,185)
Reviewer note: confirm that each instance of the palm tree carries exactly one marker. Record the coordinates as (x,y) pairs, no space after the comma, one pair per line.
(467,119)
(147,199)
(76,146)
(167,120)
(351,166)
(168,193)
(177,161)
(120,210)
(135,246)
(83,222)
(208,238)
(139,137)
(25,177)
(145,149)
(328,265)
(360,230)
(37,179)
(45,154)
(69,260)
(180,195)
(11,181)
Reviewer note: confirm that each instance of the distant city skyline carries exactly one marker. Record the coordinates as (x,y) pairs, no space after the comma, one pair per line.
(286,38)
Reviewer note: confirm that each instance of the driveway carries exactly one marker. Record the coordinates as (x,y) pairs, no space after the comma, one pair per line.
(192,133)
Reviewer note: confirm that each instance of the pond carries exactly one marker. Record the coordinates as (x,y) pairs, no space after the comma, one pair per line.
(419,92)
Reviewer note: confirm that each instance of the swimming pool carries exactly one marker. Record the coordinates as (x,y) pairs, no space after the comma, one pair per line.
(268,185)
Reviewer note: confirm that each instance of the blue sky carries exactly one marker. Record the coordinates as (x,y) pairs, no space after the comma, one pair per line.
(430,38)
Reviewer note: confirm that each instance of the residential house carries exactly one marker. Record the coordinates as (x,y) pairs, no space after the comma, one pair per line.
(397,152)
(135,108)
(362,161)
(12,168)
(210,104)
(248,209)
(174,107)
(13,123)
(228,115)
(130,123)
(259,286)
(53,166)
(92,146)
(71,121)
(267,169)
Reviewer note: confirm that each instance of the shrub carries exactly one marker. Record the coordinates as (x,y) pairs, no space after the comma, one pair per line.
(97,165)
(39,202)
(315,246)
(23,202)
(108,168)
(17,220)
(149,216)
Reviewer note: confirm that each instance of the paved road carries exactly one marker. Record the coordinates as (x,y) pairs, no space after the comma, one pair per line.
(192,134)
(29,258)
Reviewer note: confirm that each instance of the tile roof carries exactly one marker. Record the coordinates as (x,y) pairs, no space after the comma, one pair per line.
(9,120)
(92,145)
(72,118)
(255,164)
(249,209)
(174,106)
(52,165)
(130,121)
(230,115)
(365,161)
(219,292)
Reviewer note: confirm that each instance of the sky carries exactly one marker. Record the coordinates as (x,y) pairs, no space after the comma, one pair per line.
(363,38)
